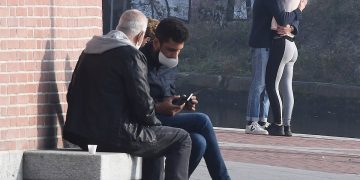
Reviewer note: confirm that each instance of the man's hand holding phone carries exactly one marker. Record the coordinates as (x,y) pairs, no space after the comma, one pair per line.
(189,101)
(167,107)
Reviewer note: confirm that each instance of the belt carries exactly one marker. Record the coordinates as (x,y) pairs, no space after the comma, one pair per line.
(292,39)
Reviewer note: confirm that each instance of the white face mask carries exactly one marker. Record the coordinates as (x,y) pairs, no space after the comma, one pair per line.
(169,62)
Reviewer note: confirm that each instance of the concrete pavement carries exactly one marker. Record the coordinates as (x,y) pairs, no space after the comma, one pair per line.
(313,157)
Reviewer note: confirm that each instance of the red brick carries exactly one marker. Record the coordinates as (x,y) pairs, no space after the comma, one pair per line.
(31,110)
(31,22)
(32,121)
(3,46)
(21,78)
(42,2)
(13,100)
(21,11)
(22,2)
(12,67)
(12,22)
(7,145)
(38,11)
(4,100)
(30,10)
(13,44)
(22,33)
(46,22)
(22,112)
(21,56)
(22,144)
(31,132)
(18,122)
(4,11)
(13,111)
(12,133)
(4,122)
(3,90)
(13,11)
(4,78)
(13,2)
(3,3)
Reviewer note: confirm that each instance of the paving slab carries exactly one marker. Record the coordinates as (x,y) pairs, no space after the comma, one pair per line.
(302,156)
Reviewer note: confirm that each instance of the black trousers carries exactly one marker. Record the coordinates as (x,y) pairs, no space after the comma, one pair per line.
(173,143)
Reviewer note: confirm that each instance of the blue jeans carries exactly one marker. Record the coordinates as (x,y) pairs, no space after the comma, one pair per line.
(258,101)
(204,142)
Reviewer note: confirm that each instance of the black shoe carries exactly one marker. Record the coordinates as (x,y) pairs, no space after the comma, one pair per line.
(287,131)
(276,130)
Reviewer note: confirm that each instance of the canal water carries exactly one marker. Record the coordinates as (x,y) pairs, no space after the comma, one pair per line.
(315,115)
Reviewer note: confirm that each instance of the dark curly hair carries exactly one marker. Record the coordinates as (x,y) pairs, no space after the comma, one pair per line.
(171,28)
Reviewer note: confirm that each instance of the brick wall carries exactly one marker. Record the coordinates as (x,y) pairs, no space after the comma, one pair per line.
(40,42)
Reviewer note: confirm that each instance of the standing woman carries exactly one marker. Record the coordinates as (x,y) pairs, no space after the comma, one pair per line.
(279,74)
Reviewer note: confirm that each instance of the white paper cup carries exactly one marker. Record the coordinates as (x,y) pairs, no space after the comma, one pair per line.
(92,148)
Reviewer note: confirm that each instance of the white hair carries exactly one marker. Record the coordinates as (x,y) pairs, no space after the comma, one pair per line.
(132,22)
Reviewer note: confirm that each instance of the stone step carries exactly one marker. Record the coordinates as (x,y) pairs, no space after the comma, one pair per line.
(80,165)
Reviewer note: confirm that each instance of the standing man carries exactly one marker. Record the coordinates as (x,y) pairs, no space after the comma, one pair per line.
(260,41)
(109,102)
(162,55)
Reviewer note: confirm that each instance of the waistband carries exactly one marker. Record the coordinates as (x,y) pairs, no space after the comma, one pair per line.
(284,37)
(276,36)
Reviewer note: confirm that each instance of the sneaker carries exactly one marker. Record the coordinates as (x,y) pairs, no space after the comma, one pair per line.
(276,130)
(287,131)
(254,128)
(263,124)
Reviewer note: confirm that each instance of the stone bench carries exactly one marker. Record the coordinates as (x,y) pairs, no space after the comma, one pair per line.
(80,165)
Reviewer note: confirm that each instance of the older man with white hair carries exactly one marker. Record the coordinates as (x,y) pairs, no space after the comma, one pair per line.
(109,102)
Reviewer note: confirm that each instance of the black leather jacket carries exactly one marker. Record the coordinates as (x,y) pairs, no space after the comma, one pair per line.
(108,100)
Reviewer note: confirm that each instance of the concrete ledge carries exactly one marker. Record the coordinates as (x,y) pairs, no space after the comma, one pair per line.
(11,165)
(80,165)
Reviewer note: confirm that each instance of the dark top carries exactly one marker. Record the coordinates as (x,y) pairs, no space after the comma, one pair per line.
(109,102)
(263,12)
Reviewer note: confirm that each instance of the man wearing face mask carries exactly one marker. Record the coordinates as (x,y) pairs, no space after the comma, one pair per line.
(162,55)
(109,102)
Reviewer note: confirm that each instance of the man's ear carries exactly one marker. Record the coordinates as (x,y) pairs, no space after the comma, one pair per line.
(140,37)
(156,43)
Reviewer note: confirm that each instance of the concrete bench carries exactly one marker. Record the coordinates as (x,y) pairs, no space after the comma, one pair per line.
(80,165)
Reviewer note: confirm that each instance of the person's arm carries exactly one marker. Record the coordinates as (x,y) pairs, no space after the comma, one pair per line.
(138,91)
(288,29)
(295,27)
(283,18)
(166,107)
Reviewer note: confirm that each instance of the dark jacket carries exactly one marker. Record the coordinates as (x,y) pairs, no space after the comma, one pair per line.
(263,12)
(161,78)
(108,99)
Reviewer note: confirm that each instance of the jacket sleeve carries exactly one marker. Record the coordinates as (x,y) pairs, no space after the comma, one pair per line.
(295,24)
(138,91)
(283,18)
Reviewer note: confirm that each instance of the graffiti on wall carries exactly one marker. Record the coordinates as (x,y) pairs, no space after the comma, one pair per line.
(240,9)
(160,9)
(217,10)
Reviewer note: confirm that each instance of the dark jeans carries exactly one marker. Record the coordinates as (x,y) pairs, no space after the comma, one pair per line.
(173,143)
(204,142)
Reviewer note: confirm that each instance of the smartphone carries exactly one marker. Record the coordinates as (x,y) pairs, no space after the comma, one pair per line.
(183,99)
